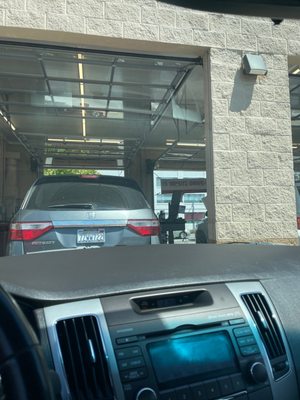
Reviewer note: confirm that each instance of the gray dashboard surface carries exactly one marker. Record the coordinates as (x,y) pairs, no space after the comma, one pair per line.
(79,274)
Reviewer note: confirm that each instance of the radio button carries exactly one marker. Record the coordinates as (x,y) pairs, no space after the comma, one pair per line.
(246,340)
(212,389)
(131,363)
(133,374)
(146,394)
(249,350)
(136,362)
(123,364)
(128,352)
(125,340)
(226,386)
(183,394)
(170,395)
(237,383)
(258,372)
(245,331)
(198,392)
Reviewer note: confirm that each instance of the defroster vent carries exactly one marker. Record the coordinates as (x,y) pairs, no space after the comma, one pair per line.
(84,359)
(269,331)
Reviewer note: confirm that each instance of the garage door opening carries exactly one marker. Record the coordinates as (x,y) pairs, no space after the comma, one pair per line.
(294,80)
(81,111)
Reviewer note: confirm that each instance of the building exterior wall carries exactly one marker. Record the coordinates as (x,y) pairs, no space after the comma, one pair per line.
(251,146)
(250,164)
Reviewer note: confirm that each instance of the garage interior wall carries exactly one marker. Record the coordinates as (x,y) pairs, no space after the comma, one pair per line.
(250,161)
(15,163)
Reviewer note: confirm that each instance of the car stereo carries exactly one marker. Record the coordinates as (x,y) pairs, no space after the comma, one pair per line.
(186,350)
(219,341)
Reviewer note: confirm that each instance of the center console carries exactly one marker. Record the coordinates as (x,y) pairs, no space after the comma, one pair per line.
(219,341)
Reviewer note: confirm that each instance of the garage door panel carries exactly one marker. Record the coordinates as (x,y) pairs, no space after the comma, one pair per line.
(115,129)
(47,125)
(20,84)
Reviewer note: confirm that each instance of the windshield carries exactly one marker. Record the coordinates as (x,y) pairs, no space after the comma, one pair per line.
(98,196)
(149,201)
(200,141)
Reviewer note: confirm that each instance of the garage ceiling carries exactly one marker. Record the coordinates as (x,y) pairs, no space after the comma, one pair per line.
(79,108)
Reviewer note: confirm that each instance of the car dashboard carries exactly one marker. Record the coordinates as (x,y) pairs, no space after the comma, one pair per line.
(178,323)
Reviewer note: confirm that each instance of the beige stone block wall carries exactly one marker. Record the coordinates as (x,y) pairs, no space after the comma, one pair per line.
(250,137)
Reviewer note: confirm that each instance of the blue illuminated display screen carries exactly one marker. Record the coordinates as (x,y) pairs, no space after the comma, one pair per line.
(192,356)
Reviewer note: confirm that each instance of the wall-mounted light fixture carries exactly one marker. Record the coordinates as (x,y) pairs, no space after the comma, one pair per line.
(254,64)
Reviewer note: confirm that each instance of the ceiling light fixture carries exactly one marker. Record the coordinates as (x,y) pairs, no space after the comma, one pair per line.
(10,124)
(112,141)
(86,140)
(170,142)
(296,71)
(74,140)
(81,90)
(191,144)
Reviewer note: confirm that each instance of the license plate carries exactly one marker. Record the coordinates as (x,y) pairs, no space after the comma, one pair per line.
(85,236)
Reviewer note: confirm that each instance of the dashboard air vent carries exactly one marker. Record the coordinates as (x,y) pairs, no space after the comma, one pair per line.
(84,359)
(266,324)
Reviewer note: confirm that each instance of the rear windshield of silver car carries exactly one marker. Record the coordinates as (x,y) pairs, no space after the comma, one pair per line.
(85,195)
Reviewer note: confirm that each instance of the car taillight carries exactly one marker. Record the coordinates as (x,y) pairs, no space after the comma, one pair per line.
(144,227)
(298,222)
(28,231)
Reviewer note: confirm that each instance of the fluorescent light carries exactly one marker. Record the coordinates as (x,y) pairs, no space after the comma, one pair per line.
(171,142)
(296,71)
(7,121)
(295,147)
(83,128)
(182,155)
(80,70)
(74,141)
(81,90)
(190,144)
(112,141)
(87,140)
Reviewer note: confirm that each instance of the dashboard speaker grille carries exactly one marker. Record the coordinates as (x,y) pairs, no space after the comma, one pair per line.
(266,324)
(84,359)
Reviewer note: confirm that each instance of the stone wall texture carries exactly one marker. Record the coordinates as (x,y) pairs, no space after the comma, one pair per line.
(251,168)
(251,147)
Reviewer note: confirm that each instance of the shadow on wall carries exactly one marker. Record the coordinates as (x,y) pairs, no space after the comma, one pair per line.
(242,91)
